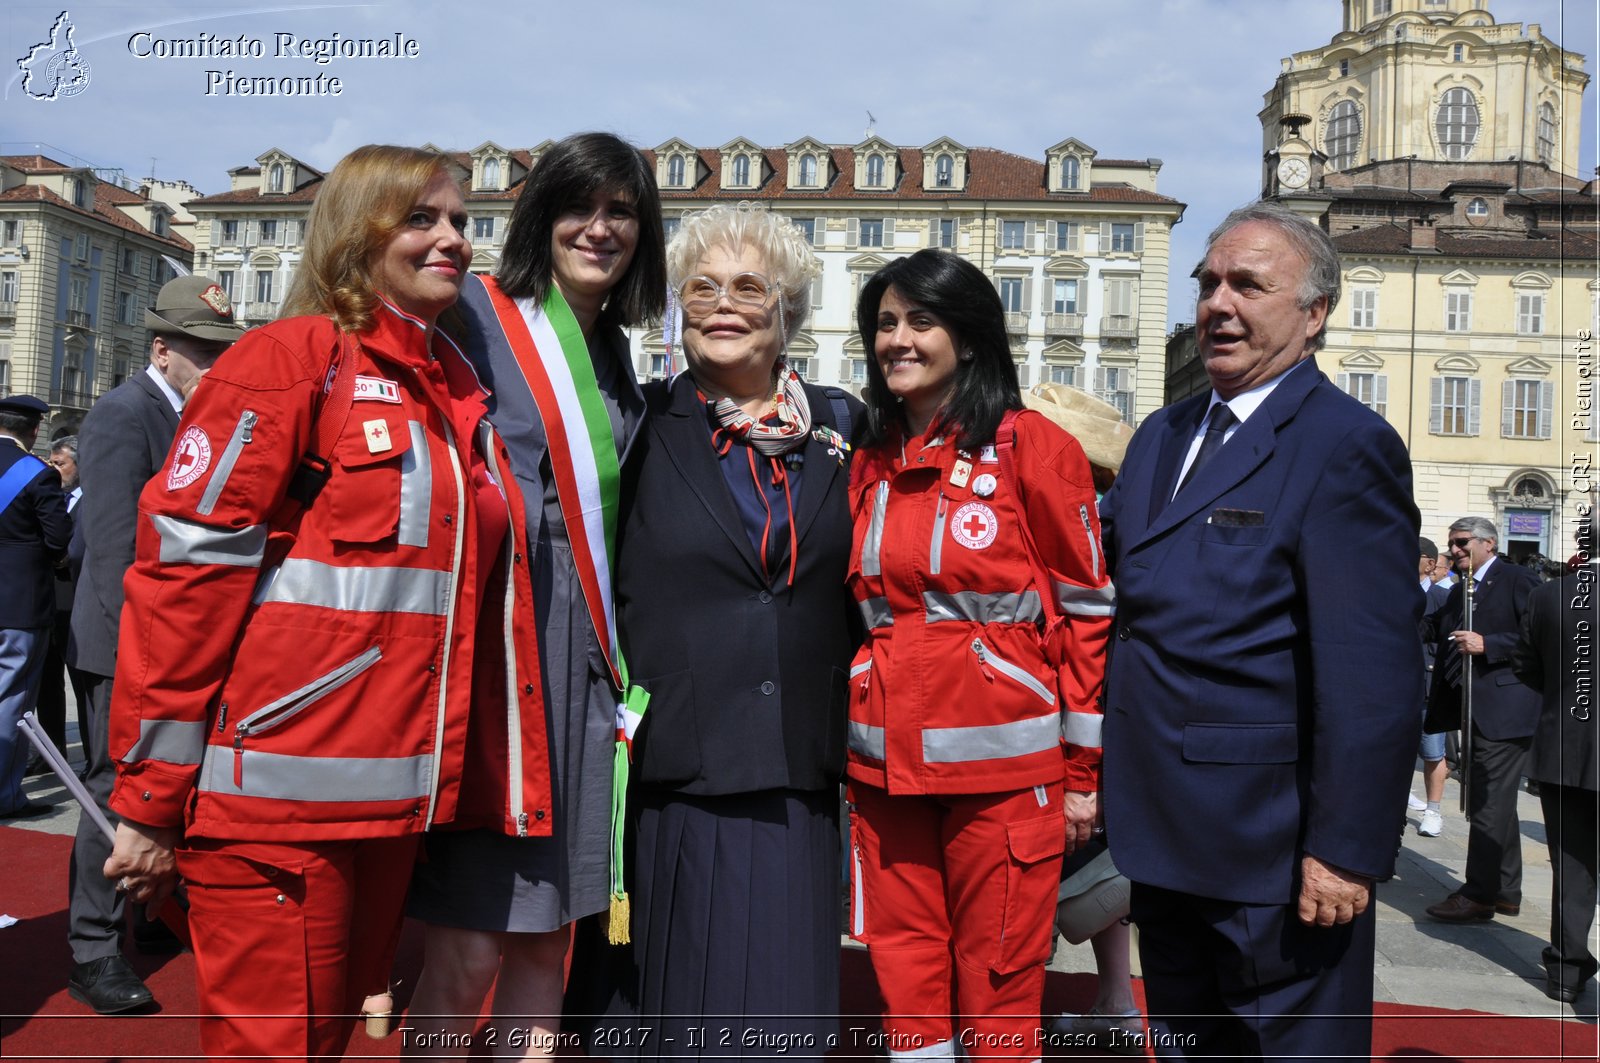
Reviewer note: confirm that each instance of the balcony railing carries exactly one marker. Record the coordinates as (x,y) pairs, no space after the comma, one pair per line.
(257,310)
(1119,327)
(1063,324)
(1017,322)
(79,399)
(79,318)
(8,308)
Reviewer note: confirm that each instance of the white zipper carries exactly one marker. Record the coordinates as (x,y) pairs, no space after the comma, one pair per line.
(987,659)
(936,544)
(292,704)
(450,616)
(230,456)
(1094,545)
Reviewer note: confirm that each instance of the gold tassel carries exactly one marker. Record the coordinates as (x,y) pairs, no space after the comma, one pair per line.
(617,933)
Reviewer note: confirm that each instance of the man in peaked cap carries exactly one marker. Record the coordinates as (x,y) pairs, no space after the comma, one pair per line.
(123,442)
(34,531)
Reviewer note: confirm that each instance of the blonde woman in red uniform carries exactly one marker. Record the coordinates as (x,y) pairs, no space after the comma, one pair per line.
(323,596)
(973,717)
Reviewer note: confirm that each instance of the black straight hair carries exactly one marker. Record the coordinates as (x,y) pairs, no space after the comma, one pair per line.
(567,174)
(962,298)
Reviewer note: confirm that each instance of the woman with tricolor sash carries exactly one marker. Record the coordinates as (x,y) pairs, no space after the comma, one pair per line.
(735,617)
(583,259)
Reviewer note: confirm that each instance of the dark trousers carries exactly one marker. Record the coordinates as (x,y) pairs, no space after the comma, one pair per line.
(1571,830)
(1250,981)
(52,710)
(94,907)
(1494,837)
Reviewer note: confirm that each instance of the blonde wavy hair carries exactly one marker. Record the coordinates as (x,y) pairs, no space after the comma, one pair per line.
(789,261)
(364,201)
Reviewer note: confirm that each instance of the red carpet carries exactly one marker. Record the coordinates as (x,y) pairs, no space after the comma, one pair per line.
(38,1021)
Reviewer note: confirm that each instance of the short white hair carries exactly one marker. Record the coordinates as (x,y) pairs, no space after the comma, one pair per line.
(788,260)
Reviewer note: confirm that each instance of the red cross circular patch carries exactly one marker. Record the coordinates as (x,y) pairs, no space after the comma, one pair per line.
(190,458)
(974,526)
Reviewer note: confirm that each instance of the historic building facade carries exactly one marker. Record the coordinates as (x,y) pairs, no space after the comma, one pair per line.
(1440,150)
(81,256)
(1078,246)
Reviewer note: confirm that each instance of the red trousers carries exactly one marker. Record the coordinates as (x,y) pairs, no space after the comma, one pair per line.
(289,938)
(954,897)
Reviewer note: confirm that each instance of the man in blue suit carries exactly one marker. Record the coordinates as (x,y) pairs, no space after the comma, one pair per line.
(1262,692)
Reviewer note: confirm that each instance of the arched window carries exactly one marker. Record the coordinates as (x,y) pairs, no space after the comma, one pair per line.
(1547,134)
(808,171)
(741,170)
(276,182)
(874,170)
(1343,136)
(1456,125)
(675,171)
(491,173)
(944,171)
(1071,172)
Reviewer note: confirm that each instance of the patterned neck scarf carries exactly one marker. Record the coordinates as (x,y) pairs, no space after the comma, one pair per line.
(771,436)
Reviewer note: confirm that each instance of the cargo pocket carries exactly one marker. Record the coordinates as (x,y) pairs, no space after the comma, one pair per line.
(1033,874)
(247,918)
(364,495)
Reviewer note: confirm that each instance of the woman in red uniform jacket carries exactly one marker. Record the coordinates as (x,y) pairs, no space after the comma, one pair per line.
(323,594)
(973,718)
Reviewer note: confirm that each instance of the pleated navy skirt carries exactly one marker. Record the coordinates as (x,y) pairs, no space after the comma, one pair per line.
(736,905)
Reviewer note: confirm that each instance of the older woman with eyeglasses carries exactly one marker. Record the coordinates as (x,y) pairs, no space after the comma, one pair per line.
(734,616)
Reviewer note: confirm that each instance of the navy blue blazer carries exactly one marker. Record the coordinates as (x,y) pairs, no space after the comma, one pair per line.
(34,531)
(1503,706)
(1264,677)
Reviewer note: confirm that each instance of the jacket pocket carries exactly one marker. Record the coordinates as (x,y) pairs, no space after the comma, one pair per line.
(993,665)
(1033,876)
(289,706)
(1240,743)
(365,493)
(668,741)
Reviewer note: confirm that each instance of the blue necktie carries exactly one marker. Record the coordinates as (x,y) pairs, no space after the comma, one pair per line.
(1217,424)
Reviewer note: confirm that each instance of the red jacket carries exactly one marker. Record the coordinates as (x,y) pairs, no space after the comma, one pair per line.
(307,674)
(956,689)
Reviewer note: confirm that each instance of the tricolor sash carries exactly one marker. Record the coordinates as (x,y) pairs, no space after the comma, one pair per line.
(554,360)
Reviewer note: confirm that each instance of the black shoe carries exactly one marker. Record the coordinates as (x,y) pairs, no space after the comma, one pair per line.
(36,766)
(27,810)
(1557,990)
(155,938)
(108,985)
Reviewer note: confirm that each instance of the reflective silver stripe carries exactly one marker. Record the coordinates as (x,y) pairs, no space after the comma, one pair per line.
(172,741)
(1086,601)
(316,779)
(944,1050)
(224,469)
(271,715)
(1004,608)
(1094,540)
(875,613)
(872,542)
(955,745)
(865,740)
(861,669)
(936,544)
(301,581)
(858,914)
(1011,671)
(1081,729)
(183,542)
(416,488)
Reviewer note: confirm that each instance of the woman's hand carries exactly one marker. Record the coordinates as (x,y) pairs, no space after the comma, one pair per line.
(141,862)
(1083,819)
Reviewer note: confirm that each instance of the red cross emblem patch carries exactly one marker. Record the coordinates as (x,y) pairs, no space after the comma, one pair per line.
(974,526)
(190,458)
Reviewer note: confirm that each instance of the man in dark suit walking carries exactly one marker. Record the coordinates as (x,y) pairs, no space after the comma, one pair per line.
(1261,717)
(33,539)
(52,710)
(1504,714)
(1556,656)
(123,441)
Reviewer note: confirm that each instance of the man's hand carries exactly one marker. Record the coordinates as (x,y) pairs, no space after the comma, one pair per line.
(141,862)
(1083,818)
(1467,641)
(1330,895)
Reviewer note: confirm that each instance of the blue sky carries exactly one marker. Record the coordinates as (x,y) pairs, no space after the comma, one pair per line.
(1180,80)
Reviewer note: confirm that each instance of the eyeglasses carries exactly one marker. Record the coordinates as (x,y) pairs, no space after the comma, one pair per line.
(746,291)
(1461,544)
